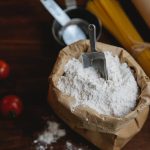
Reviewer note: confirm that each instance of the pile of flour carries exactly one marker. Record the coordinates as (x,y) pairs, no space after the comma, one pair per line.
(50,135)
(116,97)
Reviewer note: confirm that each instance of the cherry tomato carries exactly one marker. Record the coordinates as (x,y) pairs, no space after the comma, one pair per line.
(11,106)
(4,69)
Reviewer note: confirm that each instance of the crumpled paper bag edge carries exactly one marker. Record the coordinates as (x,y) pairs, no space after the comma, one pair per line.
(145,84)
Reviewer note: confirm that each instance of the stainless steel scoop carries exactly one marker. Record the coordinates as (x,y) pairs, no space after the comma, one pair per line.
(71,33)
(94,58)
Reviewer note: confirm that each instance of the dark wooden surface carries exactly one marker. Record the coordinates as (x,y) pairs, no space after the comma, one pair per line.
(26,43)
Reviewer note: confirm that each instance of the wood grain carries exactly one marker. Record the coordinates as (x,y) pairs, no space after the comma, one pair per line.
(26,43)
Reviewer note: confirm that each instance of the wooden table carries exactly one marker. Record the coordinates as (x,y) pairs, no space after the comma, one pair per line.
(26,43)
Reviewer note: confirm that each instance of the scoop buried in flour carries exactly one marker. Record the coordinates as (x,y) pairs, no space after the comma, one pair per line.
(95,59)
(115,97)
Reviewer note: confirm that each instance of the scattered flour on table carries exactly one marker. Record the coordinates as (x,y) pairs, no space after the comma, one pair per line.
(50,135)
(116,97)
(69,146)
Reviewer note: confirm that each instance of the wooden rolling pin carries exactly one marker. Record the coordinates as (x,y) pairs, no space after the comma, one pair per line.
(143,6)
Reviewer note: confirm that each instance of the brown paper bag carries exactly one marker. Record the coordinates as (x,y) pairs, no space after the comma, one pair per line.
(106,132)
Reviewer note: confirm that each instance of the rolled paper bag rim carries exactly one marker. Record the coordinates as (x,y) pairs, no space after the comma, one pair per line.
(105,132)
(66,53)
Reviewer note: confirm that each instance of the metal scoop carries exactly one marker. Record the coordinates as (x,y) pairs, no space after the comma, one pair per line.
(72,33)
(94,58)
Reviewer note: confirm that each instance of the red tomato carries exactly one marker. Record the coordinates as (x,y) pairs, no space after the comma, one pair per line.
(4,69)
(11,106)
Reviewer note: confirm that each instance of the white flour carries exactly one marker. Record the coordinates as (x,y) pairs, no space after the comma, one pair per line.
(69,146)
(50,135)
(116,96)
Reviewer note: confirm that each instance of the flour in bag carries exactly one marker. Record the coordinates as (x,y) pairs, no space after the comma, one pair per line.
(116,97)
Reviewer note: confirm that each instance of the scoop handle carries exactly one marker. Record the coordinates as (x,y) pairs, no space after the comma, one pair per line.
(92,36)
(55,10)
(71,3)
